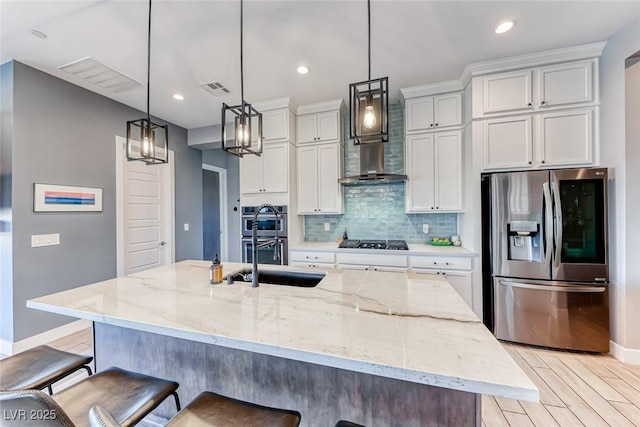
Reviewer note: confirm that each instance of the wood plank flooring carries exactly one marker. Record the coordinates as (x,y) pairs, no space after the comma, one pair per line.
(576,389)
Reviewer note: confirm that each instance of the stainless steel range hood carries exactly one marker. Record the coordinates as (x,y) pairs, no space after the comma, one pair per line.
(372,167)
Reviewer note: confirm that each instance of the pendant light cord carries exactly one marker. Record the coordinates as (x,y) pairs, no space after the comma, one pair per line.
(149,64)
(241,67)
(369,33)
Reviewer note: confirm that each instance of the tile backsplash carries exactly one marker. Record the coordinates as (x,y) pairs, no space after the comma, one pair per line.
(377,211)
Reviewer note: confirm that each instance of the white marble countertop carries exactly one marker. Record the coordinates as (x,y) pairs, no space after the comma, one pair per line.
(397,325)
(414,249)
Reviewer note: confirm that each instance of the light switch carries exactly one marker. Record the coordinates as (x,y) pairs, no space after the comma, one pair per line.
(425,228)
(38,240)
(186,227)
(327,226)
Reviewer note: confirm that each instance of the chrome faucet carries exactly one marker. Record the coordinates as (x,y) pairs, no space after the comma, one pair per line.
(254,242)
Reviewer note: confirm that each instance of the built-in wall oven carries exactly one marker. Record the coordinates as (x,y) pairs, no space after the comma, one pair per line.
(268,224)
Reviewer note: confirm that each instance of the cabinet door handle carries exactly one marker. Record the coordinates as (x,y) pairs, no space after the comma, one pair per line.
(436,124)
(437,207)
(431,207)
(543,103)
(431,125)
(542,161)
(446,263)
(529,105)
(435,263)
(530,162)
(444,273)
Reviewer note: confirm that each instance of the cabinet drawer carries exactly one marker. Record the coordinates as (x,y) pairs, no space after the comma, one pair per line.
(313,257)
(372,259)
(443,263)
(312,264)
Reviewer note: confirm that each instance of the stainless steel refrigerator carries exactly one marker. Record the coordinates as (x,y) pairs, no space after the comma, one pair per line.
(546,258)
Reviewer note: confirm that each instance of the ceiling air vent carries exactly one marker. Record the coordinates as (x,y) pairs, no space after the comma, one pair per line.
(96,73)
(215,88)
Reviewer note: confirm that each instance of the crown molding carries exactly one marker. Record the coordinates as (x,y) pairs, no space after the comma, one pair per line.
(273,104)
(547,57)
(319,107)
(430,89)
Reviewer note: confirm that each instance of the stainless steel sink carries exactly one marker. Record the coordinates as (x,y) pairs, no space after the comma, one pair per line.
(303,279)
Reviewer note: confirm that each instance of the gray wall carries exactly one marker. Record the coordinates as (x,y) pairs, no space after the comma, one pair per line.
(231,163)
(64,134)
(624,276)
(6,259)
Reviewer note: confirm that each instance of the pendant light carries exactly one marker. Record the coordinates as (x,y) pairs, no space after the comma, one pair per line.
(247,135)
(369,104)
(147,141)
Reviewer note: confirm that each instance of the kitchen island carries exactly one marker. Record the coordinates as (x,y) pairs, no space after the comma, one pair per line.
(373,347)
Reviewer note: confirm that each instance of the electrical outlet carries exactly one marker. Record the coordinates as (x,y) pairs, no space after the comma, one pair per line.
(327,226)
(425,228)
(186,227)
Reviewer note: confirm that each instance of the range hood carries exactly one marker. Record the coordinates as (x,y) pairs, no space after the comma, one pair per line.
(372,167)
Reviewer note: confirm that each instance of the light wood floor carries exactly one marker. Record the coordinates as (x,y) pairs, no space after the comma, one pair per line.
(576,389)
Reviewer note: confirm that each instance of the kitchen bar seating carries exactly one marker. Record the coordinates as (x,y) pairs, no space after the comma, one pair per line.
(214,410)
(40,367)
(128,396)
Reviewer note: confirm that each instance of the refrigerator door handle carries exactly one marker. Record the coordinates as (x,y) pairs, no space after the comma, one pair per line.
(572,288)
(557,206)
(548,223)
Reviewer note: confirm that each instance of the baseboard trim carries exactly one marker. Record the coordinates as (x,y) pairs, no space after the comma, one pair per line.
(10,348)
(625,355)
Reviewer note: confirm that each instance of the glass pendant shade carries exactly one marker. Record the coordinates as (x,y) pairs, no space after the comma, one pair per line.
(247,130)
(147,141)
(368,107)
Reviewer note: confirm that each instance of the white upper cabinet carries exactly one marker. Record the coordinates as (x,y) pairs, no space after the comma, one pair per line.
(565,84)
(506,92)
(268,173)
(556,86)
(319,127)
(433,164)
(554,139)
(319,168)
(507,143)
(275,125)
(433,112)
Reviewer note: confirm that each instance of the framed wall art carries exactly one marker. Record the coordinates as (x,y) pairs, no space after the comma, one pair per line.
(62,198)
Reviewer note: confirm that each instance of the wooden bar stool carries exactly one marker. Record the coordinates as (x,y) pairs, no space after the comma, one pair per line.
(40,367)
(213,410)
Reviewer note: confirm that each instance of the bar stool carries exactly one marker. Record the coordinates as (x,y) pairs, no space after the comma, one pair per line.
(343,423)
(40,367)
(214,410)
(128,396)
(31,408)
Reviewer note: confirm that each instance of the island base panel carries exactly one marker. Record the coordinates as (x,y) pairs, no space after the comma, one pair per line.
(322,394)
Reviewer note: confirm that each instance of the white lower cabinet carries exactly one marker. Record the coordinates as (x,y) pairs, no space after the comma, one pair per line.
(312,264)
(372,262)
(459,280)
(456,269)
(316,259)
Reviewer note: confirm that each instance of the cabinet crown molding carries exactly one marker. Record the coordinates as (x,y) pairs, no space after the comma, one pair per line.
(530,60)
(431,89)
(273,104)
(319,107)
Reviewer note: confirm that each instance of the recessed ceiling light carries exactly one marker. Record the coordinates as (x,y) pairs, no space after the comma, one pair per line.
(178,97)
(38,34)
(303,69)
(504,27)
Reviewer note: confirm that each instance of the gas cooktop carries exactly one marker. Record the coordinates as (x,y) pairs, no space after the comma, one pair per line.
(374,244)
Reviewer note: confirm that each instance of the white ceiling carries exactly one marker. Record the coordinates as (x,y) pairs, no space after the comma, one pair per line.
(413,42)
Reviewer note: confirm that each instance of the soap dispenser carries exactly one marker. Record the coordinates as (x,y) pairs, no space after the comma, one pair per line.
(215,272)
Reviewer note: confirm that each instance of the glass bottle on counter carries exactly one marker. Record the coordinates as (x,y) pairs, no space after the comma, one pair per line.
(215,272)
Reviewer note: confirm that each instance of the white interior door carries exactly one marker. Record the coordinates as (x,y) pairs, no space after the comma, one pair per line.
(145,213)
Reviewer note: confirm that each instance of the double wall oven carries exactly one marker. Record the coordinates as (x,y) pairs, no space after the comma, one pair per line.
(268,224)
